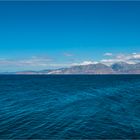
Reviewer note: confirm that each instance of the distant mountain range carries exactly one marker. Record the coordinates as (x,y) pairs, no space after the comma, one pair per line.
(99,68)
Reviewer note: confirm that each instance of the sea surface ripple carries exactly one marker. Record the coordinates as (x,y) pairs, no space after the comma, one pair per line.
(70,107)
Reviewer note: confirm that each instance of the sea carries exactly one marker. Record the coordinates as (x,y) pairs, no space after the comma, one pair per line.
(70,107)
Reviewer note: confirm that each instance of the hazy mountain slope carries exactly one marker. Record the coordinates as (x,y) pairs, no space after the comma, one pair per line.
(125,68)
(85,69)
(99,68)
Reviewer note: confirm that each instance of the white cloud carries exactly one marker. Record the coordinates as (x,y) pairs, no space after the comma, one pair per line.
(112,61)
(136,56)
(128,58)
(85,63)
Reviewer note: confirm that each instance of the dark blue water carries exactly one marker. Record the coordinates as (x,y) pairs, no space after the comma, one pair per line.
(70,107)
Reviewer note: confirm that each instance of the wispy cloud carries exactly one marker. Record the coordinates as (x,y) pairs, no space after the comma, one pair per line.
(85,63)
(128,58)
(33,61)
(43,62)
(108,54)
(68,54)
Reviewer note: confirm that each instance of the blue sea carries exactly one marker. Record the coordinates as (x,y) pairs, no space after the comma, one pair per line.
(70,107)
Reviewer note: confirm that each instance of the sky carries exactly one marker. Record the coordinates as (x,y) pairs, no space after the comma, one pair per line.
(47,35)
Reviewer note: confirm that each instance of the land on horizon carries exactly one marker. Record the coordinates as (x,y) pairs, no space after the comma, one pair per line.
(98,68)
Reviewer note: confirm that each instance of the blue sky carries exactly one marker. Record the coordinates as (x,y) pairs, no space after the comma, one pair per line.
(42,35)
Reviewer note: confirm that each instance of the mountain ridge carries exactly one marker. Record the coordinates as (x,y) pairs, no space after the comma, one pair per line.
(99,68)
